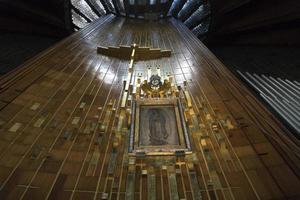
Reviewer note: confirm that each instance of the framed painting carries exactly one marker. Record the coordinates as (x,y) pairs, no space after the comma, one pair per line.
(158,127)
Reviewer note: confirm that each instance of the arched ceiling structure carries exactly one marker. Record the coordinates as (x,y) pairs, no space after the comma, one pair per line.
(193,13)
(231,21)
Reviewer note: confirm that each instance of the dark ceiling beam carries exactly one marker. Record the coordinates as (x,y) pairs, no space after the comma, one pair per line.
(167,7)
(176,7)
(75,26)
(81,14)
(157,5)
(202,28)
(117,8)
(67,15)
(135,6)
(105,5)
(121,8)
(126,6)
(140,8)
(197,17)
(92,5)
(188,9)
(110,7)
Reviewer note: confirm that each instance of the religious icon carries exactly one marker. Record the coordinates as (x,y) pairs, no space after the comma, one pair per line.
(158,128)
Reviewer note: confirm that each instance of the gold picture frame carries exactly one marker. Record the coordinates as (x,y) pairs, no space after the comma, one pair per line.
(158,128)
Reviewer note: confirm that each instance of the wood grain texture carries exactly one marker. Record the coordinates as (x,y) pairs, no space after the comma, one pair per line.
(63,148)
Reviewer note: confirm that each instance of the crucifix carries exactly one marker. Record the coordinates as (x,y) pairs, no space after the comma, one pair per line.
(135,53)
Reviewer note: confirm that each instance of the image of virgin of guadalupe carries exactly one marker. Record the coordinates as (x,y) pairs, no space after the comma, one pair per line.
(158,134)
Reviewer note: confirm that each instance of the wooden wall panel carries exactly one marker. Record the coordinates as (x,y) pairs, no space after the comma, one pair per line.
(57,132)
